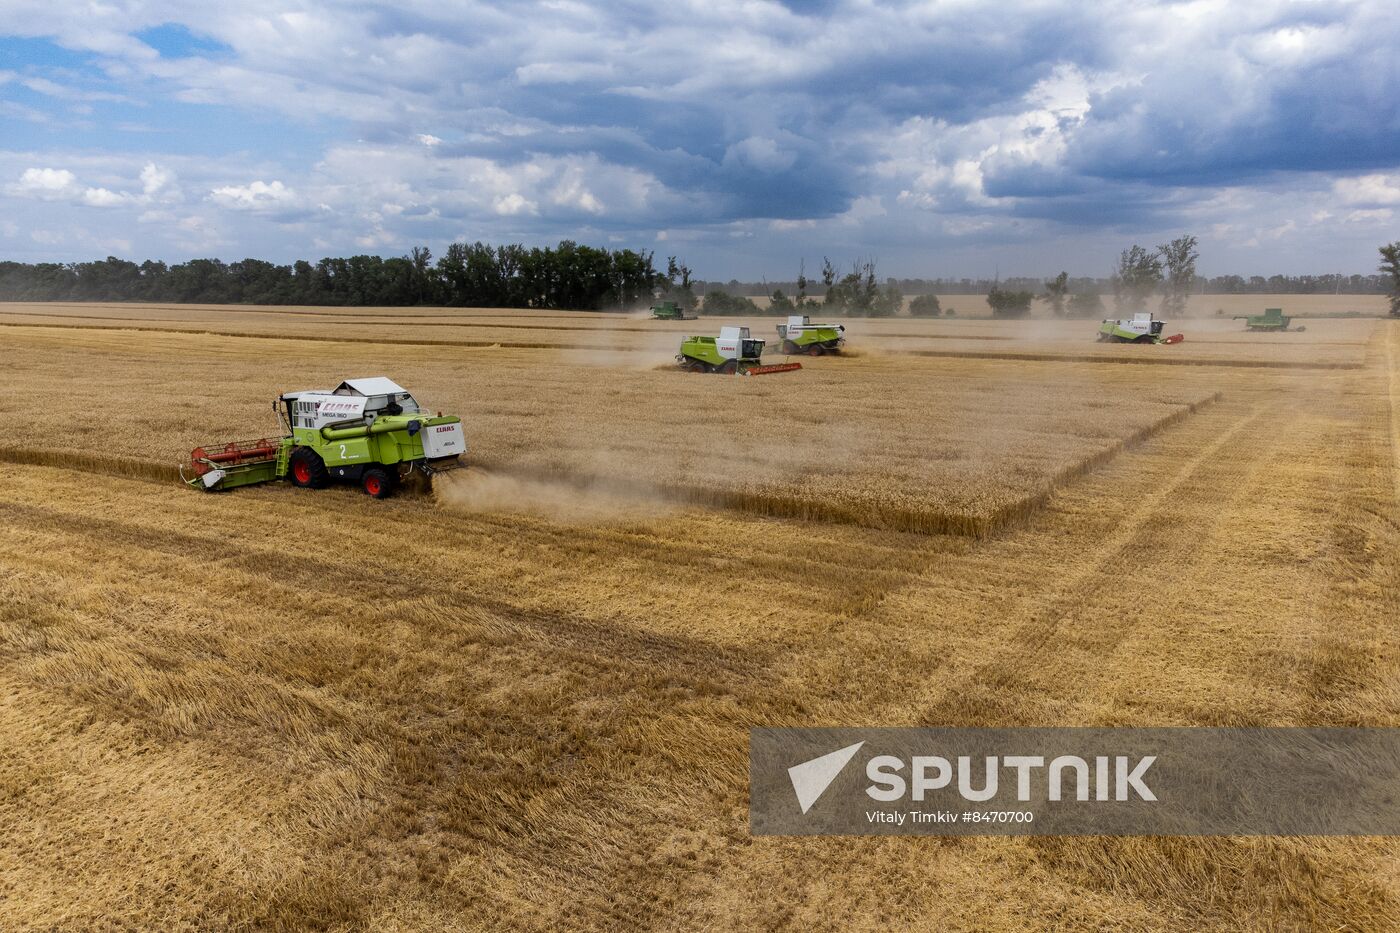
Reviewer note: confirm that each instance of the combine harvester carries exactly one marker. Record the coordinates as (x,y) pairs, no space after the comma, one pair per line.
(732,352)
(1143,328)
(800,335)
(366,431)
(669,311)
(1273,321)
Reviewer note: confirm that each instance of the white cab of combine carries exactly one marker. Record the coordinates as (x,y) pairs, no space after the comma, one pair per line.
(1140,324)
(796,323)
(353,399)
(730,340)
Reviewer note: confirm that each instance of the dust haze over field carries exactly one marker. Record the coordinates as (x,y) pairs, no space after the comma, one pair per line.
(479,490)
(523,700)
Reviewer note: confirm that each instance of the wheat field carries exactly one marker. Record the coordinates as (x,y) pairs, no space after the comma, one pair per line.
(523,700)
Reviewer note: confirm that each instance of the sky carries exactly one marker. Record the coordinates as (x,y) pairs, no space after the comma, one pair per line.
(944,138)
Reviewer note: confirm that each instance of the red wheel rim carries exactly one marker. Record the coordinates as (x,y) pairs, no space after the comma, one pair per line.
(372,485)
(301,471)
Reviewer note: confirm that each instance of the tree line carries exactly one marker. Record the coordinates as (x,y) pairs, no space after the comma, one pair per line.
(567,276)
(1327,284)
(574,276)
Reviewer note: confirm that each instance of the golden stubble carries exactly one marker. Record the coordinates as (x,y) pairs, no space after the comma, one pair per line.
(527,705)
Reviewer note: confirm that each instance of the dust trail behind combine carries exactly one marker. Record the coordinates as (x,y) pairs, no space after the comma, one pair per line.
(578,502)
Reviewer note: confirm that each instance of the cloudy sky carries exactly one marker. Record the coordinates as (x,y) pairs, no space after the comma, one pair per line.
(941,138)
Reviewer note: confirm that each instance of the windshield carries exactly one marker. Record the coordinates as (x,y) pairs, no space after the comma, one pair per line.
(387,404)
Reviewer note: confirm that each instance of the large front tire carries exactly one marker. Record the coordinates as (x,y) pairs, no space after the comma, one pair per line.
(308,470)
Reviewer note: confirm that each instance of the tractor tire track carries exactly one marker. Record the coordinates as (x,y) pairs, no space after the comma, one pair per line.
(1129,360)
(994,692)
(586,637)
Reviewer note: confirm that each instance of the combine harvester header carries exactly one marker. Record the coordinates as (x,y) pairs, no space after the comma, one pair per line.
(366,431)
(1143,328)
(734,351)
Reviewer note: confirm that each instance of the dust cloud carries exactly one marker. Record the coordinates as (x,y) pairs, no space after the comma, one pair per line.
(567,500)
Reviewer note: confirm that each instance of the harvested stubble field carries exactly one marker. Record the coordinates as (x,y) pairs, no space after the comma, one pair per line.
(524,701)
(1326,343)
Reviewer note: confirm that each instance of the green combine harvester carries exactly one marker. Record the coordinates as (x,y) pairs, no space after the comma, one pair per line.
(366,431)
(1273,320)
(669,311)
(1143,328)
(800,335)
(732,352)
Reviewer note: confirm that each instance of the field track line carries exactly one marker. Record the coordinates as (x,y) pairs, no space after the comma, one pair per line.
(771,503)
(531,345)
(335,319)
(442,321)
(1024,647)
(331,311)
(1124,533)
(1134,360)
(424,342)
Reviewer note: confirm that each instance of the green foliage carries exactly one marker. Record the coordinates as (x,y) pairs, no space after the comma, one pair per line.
(1006,303)
(473,275)
(1056,291)
(1179,259)
(721,302)
(1138,274)
(856,293)
(925,306)
(1390,265)
(781,304)
(1085,304)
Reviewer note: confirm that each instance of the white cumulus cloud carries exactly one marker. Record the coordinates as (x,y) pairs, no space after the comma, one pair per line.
(254,196)
(45,182)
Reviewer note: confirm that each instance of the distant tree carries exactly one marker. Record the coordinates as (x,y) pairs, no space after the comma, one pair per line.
(421,280)
(1390,265)
(719,301)
(781,304)
(925,306)
(1138,274)
(857,292)
(1085,304)
(1006,303)
(1179,257)
(677,284)
(1056,291)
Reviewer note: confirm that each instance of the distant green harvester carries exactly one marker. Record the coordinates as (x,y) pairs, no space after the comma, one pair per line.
(1273,319)
(669,311)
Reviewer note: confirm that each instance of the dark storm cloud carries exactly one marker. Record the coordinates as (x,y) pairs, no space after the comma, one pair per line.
(857,121)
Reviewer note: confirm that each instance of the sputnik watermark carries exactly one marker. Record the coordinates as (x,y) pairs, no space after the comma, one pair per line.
(1075,781)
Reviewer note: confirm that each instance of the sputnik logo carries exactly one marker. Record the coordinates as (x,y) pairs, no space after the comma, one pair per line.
(811,778)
